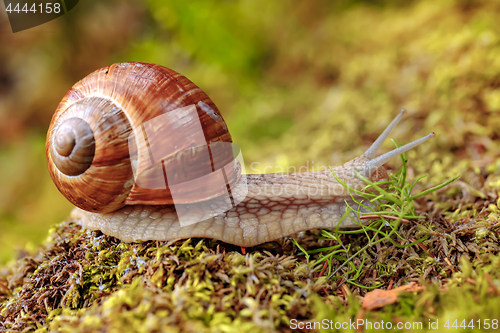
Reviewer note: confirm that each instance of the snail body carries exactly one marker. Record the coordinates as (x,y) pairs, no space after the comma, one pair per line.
(101,157)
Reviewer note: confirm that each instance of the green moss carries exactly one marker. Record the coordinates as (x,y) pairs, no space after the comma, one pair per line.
(471,294)
(87,280)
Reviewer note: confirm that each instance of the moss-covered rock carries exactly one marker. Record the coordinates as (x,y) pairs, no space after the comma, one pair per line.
(84,280)
(91,281)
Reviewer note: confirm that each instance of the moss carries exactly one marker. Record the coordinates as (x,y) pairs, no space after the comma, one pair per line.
(84,280)
(471,295)
(88,280)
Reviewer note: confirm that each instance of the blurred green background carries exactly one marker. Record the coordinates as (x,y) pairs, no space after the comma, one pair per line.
(299,83)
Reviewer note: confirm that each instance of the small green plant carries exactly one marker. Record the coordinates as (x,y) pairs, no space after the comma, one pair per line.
(391,203)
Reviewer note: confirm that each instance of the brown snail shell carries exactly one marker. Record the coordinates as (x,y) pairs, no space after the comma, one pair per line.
(88,152)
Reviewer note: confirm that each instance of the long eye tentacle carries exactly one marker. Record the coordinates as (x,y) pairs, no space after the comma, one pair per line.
(380,160)
(370,152)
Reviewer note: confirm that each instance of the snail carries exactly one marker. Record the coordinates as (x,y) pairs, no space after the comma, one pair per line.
(105,158)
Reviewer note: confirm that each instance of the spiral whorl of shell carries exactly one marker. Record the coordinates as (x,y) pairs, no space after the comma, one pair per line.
(104,118)
(73,148)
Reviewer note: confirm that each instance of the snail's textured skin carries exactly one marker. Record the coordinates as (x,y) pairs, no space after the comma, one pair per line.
(277,205)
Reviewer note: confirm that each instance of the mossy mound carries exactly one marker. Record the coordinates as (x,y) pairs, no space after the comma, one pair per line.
(91,281)
(88,281)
